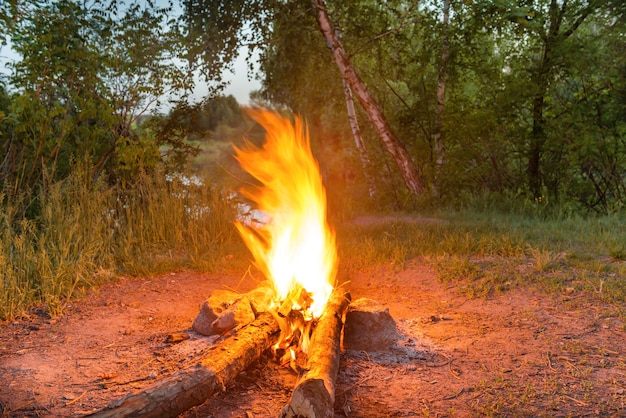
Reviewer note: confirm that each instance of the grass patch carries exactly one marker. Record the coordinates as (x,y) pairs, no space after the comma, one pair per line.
(487,253)
(85,235)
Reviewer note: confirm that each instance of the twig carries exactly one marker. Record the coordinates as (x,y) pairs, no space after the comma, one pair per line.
(388,32)
(349,388)
(263,390)
(456,395)
(73,401)
(445,363)
(550,362)
(572,365)
(579,403)
(606,350)
(452,372)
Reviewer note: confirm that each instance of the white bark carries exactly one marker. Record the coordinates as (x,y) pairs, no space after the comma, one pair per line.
(358,139)
(395,148)
(440,149)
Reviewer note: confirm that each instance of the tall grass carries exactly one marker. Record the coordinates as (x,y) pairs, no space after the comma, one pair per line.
(85,235)
(65,249)
(171,222)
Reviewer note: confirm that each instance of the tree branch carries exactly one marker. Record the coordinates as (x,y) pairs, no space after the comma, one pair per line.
(388,32)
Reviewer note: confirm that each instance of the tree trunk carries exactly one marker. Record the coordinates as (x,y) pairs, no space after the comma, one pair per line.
(535,150)
(358,139)
(195,384)
(541,80)
(409,172)
(314,394)
(552,38)
(440,149)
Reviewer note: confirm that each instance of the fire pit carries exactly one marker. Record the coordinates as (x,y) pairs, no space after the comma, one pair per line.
(299,315)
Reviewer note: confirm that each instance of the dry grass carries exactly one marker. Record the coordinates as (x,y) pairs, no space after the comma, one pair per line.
(86,235)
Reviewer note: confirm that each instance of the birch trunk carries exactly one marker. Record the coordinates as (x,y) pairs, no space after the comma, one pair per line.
(397,150)
(440,149)
(358,139)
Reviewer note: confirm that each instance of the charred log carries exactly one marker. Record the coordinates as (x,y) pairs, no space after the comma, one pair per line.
(314,395)
(194,385)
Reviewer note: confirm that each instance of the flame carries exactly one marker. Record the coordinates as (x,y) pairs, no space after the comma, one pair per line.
(296,248)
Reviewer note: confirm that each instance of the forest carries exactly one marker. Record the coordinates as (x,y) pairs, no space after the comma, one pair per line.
(513,106)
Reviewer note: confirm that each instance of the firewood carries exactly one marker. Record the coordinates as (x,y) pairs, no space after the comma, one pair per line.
(195,384)
(314,395)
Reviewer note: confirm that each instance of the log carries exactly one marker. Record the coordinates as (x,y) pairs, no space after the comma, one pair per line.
(194,385)
(314,394)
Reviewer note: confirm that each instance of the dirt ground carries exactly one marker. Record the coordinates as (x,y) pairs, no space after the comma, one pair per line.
(520,353)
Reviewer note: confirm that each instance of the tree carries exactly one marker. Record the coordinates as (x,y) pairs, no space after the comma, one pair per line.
(550,26)
(87,72)
(440,149)
(396,149)
(358,138)
(479,94)
(215,30)
(590,104)
(209,17)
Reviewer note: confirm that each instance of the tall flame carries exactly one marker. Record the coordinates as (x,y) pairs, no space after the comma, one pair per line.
(296,248)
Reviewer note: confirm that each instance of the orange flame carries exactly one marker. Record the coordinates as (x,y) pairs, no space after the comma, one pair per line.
(296,248)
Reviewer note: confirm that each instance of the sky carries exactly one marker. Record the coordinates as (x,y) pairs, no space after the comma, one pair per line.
(240,85)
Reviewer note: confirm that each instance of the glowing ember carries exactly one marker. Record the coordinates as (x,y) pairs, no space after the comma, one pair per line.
(295,249)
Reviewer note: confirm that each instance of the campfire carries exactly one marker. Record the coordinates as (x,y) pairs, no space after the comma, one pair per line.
(299,314)
(295,249)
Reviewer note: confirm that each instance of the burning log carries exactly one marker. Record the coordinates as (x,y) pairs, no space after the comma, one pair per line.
(314,395)
(194,385)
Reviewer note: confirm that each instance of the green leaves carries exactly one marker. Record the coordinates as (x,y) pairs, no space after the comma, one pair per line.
(88,70)
(214,31)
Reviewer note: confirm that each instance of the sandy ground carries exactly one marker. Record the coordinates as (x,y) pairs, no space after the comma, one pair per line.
(520,353)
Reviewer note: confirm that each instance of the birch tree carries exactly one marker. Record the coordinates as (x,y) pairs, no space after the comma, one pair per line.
(440,149)
(394,147)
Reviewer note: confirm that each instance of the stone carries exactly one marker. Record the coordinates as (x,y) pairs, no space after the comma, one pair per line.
(217,302)
(239,313)
(369,327)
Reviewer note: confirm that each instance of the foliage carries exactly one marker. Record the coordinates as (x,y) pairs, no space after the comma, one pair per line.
(90,186)
(214,31)
(87,72)
(534,127)
(534,92)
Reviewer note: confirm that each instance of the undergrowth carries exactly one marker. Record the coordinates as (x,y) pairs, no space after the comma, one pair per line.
(86,235)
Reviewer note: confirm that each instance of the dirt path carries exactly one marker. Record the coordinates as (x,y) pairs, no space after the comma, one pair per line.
(517,354)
